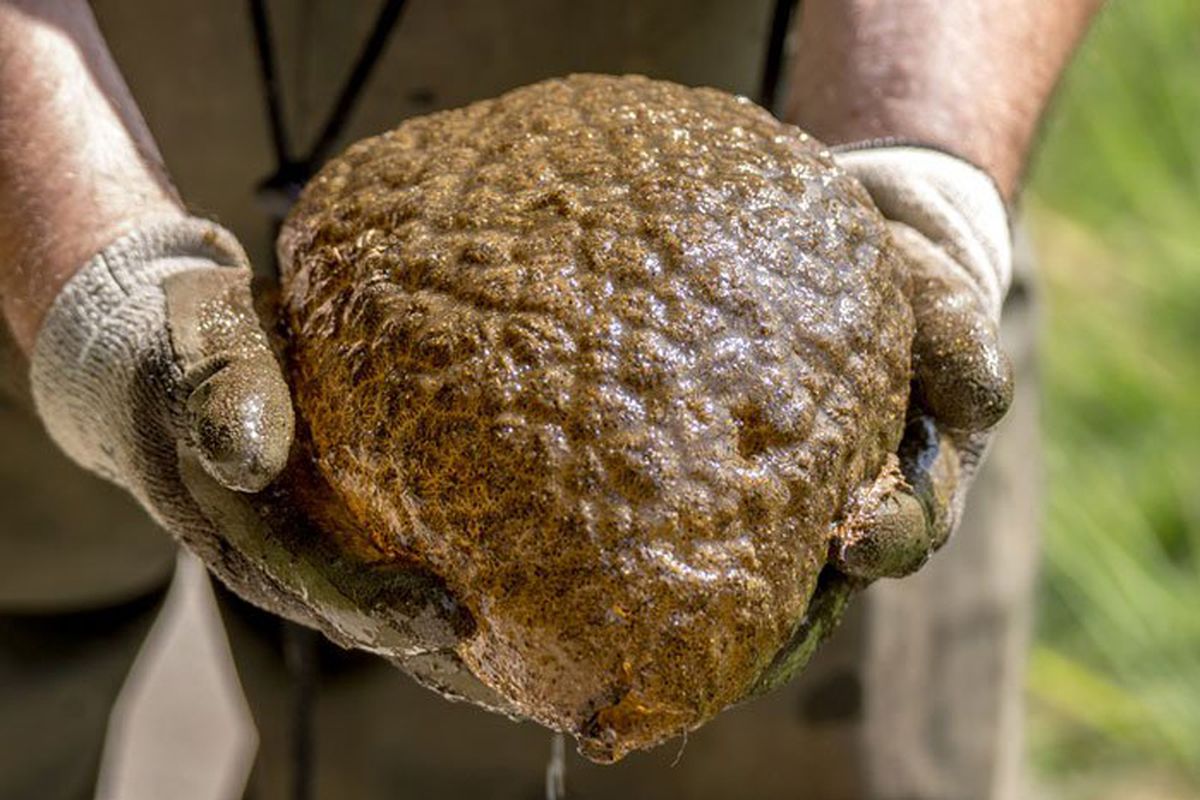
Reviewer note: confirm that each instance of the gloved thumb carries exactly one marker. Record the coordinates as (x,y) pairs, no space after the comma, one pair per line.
(960,368)
(238,410)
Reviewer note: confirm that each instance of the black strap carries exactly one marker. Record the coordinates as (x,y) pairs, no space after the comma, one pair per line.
(367,58)
(300,655)
(270,84)
(280,189)
(781,23)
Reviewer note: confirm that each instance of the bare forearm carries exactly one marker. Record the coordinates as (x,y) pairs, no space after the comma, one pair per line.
(77,164)
(970,76)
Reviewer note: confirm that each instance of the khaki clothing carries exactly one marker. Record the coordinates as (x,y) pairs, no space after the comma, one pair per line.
(917,695)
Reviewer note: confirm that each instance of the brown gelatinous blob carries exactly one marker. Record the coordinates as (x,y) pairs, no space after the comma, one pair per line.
(612,357)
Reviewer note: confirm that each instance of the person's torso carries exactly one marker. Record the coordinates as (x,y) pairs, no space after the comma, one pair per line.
(193,69)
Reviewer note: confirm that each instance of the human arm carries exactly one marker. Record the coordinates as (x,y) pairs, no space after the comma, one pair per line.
(109,288)
(148,364)
(78,166)
(972,77)
(933,106)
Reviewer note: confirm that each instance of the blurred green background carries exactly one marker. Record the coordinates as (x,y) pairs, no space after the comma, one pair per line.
(1114,207)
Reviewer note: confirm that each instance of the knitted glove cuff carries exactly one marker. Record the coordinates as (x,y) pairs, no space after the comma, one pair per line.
(952,203)
(102,358)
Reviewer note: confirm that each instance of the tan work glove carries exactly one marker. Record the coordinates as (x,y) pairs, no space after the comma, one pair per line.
(151,369)
(152,350)
(120,388)
(948,218)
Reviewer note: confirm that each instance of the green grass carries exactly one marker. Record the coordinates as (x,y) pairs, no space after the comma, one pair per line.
(1115,208)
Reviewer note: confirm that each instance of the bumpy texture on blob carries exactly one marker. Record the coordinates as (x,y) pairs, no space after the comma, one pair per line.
(613,357)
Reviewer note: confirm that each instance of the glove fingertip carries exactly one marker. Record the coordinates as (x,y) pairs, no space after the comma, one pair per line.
(962,374)
(967,390)
(895,542)
(241,424)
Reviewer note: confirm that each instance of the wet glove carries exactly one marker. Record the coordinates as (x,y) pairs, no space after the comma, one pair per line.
(151,369)
(153,345)
(949,221)
(153,348)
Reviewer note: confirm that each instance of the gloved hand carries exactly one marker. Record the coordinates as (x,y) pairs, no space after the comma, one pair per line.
(949,221)
(151,369)
(152,349)
(153,345)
